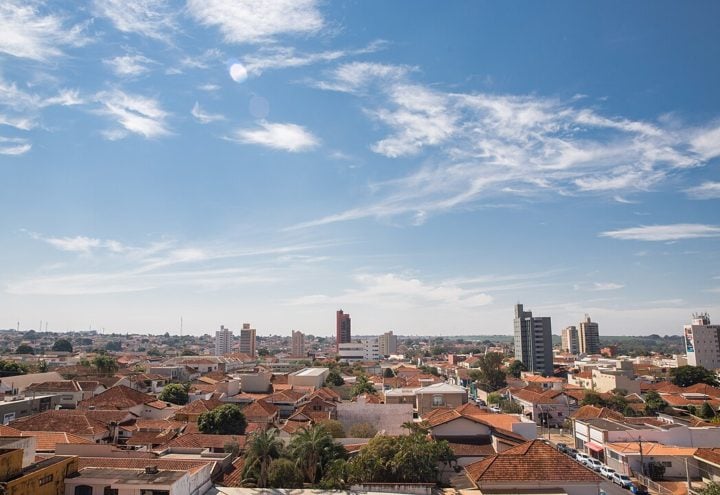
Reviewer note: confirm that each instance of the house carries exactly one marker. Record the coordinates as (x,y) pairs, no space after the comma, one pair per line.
(69,392)
(262,412)
(386,418)
(191,412)
(144,382)
(628,458)
(533,467)
(47,441)
(546,407)
(39,478)
(96,426)
(708,462)
(439,395)
(123,398)
(19,407)
(211,443)
(287,401)
(16,385)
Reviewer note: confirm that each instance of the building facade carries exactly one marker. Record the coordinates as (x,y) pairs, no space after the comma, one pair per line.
(533,341)
(702,342)
(298,344)
(247,340)
(223,341)
(388,343)
(589,336)
(343,334)
(364,350)
(570,343)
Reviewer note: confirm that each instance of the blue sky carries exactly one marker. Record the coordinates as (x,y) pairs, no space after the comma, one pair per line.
(423,166)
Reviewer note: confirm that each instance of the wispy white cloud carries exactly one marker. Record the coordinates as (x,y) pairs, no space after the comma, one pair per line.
(391,289)
(257,21)
(277,57)
(129,65)
(673,232)
(706,142)
(136,114)
(706,190)
(477,147)
(27,32)
(282,136)
(14,146)
(155,19)
(204,117)
(602,286)
(22,123)
(209,87)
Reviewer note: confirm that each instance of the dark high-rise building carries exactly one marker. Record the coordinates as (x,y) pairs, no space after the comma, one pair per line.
(342,329)
(533,341)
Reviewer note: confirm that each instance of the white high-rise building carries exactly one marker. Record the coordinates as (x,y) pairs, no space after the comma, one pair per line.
(298,344)
(387,343)
(247,340)
(702,342)
(570,342)
(223,341)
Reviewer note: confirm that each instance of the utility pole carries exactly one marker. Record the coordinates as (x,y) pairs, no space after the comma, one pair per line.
(687,476)
(642,459)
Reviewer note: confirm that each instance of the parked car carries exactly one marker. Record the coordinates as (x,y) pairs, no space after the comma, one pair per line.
(571,452)
(480,402)
(562,447)
(622,479)
(607,471)
(593,464)
(638,489)
(495,409)
(581,458)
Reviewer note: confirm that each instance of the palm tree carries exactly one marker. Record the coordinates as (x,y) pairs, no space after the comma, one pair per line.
(264,446)
(313,448)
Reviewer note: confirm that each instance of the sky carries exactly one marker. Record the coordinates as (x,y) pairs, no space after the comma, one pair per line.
(424,166)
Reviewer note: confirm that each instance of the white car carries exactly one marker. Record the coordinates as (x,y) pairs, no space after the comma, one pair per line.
(495,409)
(593,464)
(607,471)
(581,458)
(622,480)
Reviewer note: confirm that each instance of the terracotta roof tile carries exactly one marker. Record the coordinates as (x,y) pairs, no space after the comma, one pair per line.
(200,406)
(531,461)
(7,431)
(119,397)
(233,478)
(260,411)
(589,412)
(200,440)
(62,386)
(67,420)
(141,463)
(709,455)
(47,440)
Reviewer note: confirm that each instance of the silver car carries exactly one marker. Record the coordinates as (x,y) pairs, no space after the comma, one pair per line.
(607,471)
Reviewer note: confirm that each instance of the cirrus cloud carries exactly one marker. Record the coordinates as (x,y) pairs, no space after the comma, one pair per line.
(282,136)
(673,232)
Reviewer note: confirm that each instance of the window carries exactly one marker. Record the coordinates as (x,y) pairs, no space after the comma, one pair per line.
(438,400)
(110,491)
(45,480)
(666,464)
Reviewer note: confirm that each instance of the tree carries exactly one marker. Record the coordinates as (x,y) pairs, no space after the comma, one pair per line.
(592,398)
(405,459)
(262,352)
(313,448)
(232,447)
(706,411)
(363,386)
(422,427)
(336,475)
(262,448)
(334,378)
(105,364)
(494,398)
(712,488)
(516,368)
(283,473)
(654,403)
(10,368)
(62,345)
(655,470)
(388,373)
(115,346)
(24,349)
(488,375)
(685,376)
(175,393)
(362,430)
(188,352)
(227,419)
(334,427)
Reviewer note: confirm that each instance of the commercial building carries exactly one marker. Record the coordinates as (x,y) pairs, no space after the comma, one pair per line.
(309,377)
(533,341)
(589,336)
(702,342)
(343,334)
(247,340)
(298,344)
(387,343)
(363,350)
(570,343)
(223,341)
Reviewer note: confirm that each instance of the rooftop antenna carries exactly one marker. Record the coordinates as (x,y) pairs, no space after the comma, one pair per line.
(181,326)
(46,325)
(18,327)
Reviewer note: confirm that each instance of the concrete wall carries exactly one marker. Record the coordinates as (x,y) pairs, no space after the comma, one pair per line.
(385,417)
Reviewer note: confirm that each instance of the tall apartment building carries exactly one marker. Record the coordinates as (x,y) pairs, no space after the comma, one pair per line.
(570,343)
(702,342)
(533,341)
(298,344)
(589,337)
(247,340)
(342,329)
(387,343)
(223,341)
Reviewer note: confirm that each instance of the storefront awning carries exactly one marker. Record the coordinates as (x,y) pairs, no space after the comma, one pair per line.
(594,446)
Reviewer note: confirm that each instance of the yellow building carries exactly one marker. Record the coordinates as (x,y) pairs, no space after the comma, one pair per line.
(46,477)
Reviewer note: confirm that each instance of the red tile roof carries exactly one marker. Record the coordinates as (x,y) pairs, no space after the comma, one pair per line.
(119,397)
(589,412)
(199,440)
(531,461)
(47,440)
(70,421)
(141,463)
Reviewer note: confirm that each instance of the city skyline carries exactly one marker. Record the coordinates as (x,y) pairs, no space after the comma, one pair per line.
(424,171)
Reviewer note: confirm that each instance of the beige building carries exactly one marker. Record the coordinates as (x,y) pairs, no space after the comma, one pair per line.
(298,344)
(247,340)
(589,336)
(570,342)
(387,344)
(308,377)
(437,395)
